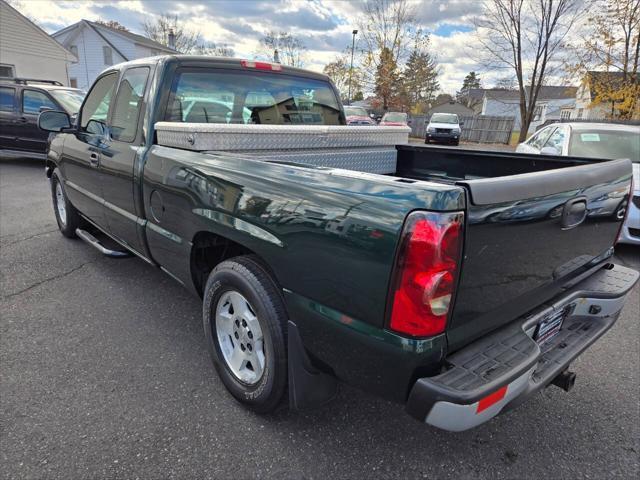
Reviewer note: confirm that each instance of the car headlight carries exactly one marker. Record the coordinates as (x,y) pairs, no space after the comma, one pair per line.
(431,129)
(456,130)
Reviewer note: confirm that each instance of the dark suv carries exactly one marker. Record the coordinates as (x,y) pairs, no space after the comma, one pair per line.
(21,101)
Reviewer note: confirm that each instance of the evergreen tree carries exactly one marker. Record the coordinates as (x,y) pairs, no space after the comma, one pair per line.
(420,80)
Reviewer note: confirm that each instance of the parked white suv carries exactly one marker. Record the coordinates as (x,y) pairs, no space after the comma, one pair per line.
(597,140)
(443,127)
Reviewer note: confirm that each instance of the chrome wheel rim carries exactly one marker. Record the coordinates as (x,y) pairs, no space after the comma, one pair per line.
(60,205)
(240,337)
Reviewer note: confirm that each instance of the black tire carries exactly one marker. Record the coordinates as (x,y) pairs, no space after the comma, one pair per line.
(456,143)
(426,140)
(248,276)
(73,220)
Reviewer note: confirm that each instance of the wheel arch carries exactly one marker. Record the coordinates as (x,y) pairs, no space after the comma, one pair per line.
(208,249)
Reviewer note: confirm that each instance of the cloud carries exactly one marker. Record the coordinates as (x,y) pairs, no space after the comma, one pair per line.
(324,26)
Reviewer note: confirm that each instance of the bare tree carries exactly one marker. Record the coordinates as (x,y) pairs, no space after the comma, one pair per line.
(112,24)
(526,36)
(290,49)
(214,50)
(186,40)
(611,43)
(338,71)
(388,34)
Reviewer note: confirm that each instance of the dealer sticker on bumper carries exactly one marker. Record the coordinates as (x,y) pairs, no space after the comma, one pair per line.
(549,327)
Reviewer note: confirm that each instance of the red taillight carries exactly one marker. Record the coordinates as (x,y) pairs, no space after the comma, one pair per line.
(426,273)
(275,67)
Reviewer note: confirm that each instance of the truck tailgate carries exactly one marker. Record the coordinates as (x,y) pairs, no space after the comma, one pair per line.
(528,236)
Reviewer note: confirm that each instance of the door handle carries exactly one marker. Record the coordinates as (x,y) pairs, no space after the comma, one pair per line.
(574,212)
(22,120)
(94,159)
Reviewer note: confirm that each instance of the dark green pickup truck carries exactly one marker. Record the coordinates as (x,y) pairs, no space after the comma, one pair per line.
(455,282)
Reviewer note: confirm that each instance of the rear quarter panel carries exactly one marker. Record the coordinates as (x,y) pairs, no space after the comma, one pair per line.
(328,235)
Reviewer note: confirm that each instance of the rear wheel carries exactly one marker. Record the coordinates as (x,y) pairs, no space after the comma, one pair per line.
(66,214)
(245,324)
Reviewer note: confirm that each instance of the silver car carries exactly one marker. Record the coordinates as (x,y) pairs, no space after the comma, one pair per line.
(597,140)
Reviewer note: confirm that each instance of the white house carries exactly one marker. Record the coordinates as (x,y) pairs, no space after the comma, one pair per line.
(27,51)
(98,47)
(553,103)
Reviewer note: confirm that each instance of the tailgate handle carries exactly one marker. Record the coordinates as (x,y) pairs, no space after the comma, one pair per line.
(574,212)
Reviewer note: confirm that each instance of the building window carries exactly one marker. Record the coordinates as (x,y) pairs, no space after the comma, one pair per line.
(7,71)
(565,114)
(107,55)
(74,50)
(580,110)
(73,82)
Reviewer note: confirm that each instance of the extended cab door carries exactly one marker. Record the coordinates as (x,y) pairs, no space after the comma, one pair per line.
(118,158)
(84,148)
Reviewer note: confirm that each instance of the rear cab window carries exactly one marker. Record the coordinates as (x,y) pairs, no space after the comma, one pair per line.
(208,95)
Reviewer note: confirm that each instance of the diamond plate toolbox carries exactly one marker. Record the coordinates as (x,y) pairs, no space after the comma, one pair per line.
(232,137)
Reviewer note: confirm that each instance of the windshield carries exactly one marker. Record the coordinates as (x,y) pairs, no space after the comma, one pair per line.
(444,118)
(610,144)
(69,99)
(355,112)
(395,117)
(213,96)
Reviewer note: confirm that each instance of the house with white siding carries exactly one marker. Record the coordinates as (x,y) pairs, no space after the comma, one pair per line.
(26,51)
(98,46)
(553,103)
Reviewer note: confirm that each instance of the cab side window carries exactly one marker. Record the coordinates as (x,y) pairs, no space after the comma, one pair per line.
(128,104)
(556,140)
(93,116)
(540,138)
(33,101)
(6,99)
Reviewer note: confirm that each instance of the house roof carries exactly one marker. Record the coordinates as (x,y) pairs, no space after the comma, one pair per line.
(547,92)
(134,37)
(614,80)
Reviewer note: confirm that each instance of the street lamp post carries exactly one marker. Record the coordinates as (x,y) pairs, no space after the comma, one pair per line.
(353,46)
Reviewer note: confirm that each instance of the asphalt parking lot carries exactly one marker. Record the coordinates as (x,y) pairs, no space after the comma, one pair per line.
(104,374)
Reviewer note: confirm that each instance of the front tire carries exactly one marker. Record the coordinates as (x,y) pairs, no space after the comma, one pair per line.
(245,325)
(66,214)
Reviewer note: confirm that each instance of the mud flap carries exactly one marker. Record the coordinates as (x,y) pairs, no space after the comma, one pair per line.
(308,387)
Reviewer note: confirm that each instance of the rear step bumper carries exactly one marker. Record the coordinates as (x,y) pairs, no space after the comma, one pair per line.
(500,371)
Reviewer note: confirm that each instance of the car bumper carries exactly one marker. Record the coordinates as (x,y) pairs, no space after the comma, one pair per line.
(500,371)
(630,232)
(443,137)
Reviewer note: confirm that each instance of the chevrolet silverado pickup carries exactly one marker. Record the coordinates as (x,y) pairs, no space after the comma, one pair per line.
(457,283)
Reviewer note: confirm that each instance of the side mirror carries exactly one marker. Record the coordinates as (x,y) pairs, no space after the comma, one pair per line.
(461,123)
(549,151)
(53,121)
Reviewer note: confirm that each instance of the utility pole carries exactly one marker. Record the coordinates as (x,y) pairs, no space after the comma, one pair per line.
(353,46)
